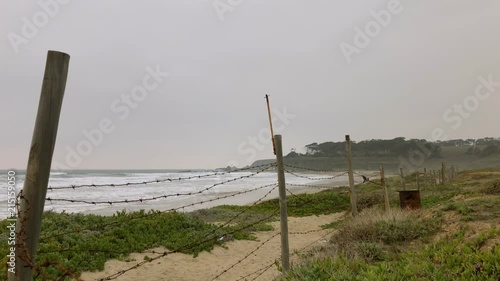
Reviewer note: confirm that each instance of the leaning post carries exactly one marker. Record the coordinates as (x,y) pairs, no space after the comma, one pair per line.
(32,197)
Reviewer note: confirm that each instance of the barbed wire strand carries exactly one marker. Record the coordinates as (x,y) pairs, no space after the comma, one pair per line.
(258,270)
(312,185)
(264,271)
(306,232)
(245,257)
(314,178)
(267,267)
(312,169)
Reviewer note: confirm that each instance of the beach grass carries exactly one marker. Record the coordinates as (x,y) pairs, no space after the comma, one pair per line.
(449,259)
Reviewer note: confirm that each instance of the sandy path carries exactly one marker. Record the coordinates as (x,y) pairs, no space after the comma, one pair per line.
(181,267)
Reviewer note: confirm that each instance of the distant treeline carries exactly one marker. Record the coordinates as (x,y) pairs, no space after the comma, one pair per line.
(400,146)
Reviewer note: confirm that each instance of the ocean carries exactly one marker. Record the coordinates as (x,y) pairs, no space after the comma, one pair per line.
(202,182)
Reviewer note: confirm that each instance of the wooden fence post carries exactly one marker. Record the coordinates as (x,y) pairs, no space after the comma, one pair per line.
(425,177)
(452,172)
(417,174)
(384,185)
(354,205)
(285,251)
(443,173)
(32,198)
(403,184)
(434,178)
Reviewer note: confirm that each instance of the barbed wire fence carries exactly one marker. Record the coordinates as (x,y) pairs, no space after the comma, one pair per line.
(317,182)
(324,181)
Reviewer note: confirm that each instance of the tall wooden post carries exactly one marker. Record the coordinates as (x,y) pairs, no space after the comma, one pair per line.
(403,184)
(443,173)
(32,199)
(285,251)
(417,174)
(384,186)
(425,177)
(452,173)
(434,178)
(354,205)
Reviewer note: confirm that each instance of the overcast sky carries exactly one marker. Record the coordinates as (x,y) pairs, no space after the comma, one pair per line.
(224,56)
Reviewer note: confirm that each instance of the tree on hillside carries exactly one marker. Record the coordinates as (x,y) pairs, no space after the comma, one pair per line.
(312,148)
(489,150)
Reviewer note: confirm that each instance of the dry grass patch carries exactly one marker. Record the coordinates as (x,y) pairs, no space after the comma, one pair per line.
(374,233)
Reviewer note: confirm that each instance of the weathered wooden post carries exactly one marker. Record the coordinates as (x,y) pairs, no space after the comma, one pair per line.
(434,178)
(417,174)
(425,177)
(452,173)
(285,251)
(443,173)
(32,198)
(403,184)
(384,185)
(354,205)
